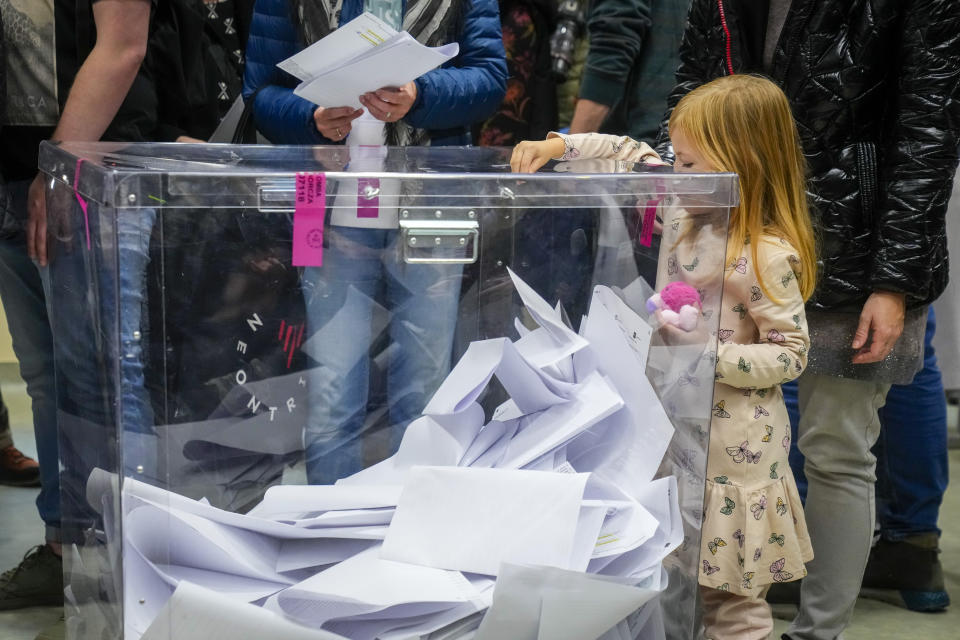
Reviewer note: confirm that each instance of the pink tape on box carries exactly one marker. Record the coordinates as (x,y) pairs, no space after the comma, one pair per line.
(368,206)
(649,220)
(308,217)
(81,201)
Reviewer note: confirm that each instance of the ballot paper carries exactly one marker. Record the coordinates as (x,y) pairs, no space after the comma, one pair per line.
(545,603)
(368,583)
(361,56)
(474,519)
(629,451)
(542,517)
(195,613)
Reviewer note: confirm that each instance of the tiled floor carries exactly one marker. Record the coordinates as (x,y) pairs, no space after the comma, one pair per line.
(873,620)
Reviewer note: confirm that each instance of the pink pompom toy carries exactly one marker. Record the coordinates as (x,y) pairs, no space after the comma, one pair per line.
(679,304)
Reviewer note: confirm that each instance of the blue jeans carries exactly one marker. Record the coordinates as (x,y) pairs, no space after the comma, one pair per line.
(26,307)
(363,289)
(912,464)
(96,299)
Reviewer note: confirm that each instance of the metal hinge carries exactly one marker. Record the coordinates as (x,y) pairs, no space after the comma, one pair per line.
(450,236)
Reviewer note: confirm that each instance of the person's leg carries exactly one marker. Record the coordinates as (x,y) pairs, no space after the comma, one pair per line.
(795,457)
(838,428)
(38,579)
(423,299)
(341,313)
(912,473)
(730,616)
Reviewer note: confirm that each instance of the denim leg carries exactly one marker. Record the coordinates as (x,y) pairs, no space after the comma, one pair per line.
(794,456)
(341,312)
(912,462)
(424,299)
(26,308)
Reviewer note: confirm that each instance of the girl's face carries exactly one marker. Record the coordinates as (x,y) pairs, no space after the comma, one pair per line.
(689,158)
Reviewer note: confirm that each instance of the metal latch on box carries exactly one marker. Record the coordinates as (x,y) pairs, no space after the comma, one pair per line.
(449,236)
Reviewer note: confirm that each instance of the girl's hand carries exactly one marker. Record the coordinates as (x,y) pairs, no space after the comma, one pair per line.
(530,155)
(335,122)
(676,337)
(390,104)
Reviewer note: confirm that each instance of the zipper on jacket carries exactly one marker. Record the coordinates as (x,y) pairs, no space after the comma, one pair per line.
(726,34)
(867,174)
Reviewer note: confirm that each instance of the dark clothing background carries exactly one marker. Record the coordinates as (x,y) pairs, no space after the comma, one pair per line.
(632,61)
(529,108)
(175,93)
(875,90)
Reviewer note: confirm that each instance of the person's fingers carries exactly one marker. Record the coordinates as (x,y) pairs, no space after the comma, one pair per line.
(515,157)
(334,113)
(876,353)
(41,237)
(863,331)
(394,97)
(377,107)
(525,156)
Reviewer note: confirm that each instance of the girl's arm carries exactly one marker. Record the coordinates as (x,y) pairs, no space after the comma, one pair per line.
(529,156)
(780,353)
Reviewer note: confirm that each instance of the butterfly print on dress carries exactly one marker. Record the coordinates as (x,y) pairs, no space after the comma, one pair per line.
(728,506)
(719,411)
(779,575)
(785,359)
(741,453)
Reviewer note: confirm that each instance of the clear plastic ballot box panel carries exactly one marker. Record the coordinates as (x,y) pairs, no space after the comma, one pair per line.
(379,393)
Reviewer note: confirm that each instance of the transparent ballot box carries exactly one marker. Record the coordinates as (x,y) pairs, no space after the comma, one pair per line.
(379,393)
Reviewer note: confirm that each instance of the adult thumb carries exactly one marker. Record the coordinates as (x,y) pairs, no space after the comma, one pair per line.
(862,332)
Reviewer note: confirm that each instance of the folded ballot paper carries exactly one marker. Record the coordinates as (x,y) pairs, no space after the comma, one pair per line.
(543,522)
(363,55)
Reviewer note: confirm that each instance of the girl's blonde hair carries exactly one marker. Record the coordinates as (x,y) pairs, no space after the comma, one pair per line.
(743,124)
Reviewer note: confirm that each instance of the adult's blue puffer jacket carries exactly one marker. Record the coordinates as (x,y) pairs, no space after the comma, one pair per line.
(449,99)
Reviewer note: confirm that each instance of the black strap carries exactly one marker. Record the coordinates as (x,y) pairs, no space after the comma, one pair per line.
(246,132)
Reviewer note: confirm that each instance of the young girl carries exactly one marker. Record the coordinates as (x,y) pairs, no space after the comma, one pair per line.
(754,532)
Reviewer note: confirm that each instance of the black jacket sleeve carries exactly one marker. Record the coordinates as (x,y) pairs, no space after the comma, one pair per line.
(919,157)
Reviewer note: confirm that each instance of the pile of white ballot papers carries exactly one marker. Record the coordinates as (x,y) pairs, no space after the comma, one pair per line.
(542,521)
(361,56)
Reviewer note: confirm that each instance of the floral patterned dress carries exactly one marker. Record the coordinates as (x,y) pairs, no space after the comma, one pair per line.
(753,531)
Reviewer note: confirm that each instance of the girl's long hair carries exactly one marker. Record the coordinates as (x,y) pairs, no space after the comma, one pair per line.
(743,124)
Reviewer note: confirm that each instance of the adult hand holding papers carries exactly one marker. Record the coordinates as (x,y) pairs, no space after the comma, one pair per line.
(361,56)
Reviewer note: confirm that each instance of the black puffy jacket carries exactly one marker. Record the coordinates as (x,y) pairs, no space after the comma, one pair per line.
(875,90)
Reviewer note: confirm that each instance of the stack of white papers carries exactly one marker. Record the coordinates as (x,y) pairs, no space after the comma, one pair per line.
(361,56)
(544,519)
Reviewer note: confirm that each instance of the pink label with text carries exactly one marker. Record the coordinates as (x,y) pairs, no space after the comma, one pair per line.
(308,217)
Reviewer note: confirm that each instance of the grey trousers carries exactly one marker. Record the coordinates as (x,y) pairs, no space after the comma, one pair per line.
(838,427)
